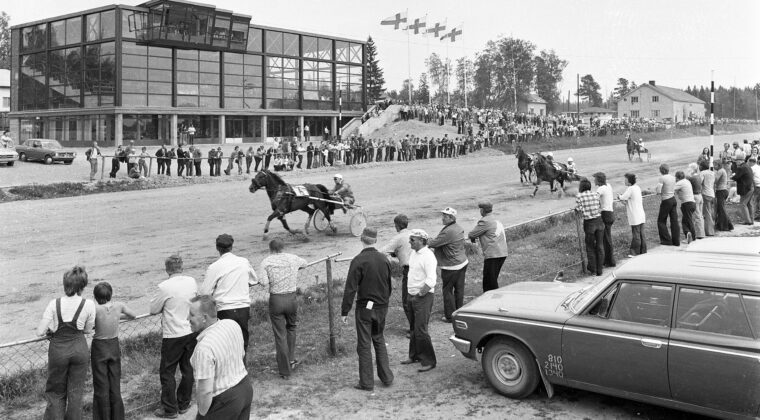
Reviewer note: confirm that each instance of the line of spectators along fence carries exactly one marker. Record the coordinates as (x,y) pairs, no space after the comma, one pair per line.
(23,355)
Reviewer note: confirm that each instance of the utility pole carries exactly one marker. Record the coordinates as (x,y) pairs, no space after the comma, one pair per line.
(340,109)
(514,79)
(578,103)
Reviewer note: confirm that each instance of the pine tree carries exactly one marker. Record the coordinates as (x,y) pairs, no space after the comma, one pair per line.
(375,80)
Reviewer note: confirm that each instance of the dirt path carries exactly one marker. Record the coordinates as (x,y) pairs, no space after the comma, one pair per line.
(124,237)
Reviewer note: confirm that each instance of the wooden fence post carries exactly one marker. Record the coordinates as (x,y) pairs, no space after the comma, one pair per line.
(331,314)
(581,234)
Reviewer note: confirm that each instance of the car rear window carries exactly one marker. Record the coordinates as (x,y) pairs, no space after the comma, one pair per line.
(712,311)
(752,304)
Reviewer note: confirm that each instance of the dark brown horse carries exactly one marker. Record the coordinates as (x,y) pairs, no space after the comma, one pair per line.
(286,198)
(524,164)
(547,171)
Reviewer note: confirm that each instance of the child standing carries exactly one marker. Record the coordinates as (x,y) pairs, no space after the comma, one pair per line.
(143,166)
(106,355)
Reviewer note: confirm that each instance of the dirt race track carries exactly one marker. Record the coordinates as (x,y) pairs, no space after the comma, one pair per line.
(124,237)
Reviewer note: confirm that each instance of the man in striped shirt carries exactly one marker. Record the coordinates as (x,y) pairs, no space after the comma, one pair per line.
(587,204)
(223,387)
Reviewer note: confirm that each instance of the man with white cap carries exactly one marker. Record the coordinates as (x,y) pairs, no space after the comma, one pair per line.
(421,284)
(343,190)
(493,242)
(450,253)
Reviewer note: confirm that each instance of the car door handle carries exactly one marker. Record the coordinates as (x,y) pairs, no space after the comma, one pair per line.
(654,344)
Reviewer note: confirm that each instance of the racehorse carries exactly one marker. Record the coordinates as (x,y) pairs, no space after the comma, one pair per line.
(524,164)
(634,146)
(286,198)
(547,171)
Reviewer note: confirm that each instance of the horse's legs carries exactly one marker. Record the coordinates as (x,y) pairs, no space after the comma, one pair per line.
(266,226)
(285,224)
(537,183)
(308,221)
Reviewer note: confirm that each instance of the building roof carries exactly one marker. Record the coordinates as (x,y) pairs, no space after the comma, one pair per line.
(5,78)
(675,94)
(597,110)
(533,98)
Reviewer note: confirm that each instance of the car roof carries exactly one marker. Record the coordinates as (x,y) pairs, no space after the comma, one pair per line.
(703,269)
(749,246)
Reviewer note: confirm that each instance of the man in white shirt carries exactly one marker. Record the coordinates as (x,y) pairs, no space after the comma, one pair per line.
(172,301)
(604,190)
(399,248)
(224,389)
(228,280)
(421,284)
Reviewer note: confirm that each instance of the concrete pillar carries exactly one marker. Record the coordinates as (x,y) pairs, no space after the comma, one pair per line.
(118,130)
(173,131)
(300,128)
(334,127)
(263,128)
(222,129)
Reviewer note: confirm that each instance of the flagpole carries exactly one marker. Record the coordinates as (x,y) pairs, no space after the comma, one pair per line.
(427,39)
(448,93)
(408,59)
(464,62)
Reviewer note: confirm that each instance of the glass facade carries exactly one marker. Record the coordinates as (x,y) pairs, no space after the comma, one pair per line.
(147,63)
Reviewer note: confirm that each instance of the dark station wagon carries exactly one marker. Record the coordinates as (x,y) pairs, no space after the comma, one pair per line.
(45,150)
(679,329)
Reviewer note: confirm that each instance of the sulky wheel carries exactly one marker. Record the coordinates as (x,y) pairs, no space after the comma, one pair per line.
(358,223)
(320,221)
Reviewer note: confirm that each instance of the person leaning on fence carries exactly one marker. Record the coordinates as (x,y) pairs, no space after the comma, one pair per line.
(227,280)
(745,187)
(223,387)
(695,178)
(587,204)
(197,160)
(211,162)
(66,320)
(172,301)
(668,209)
(280,272)
(115,161)
(189,166)
(685,195)
(170,155)
(449,251)
(92,154)
(369,279)
(422,279)
(634,210)
(106,354)
(160,159)
(604,190)
(493,241)
(399,248)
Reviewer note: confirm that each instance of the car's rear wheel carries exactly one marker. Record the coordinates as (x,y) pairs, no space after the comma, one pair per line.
(22,156)
(510,368)
(48,160)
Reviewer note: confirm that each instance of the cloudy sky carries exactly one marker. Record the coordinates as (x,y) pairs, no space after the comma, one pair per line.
(675,42)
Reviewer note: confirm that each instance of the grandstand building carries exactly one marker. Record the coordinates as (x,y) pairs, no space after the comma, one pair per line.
(148,73)
(660,103)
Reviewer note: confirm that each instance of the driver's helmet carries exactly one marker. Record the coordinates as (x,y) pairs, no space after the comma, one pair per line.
(569,160)
(338,178)
(550,155)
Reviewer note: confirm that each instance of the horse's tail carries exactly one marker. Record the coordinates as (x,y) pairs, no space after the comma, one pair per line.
(330,207)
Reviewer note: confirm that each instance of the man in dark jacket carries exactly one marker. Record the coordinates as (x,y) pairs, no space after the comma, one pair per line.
(449,251)
(160,155)
(369,279)
(745,187)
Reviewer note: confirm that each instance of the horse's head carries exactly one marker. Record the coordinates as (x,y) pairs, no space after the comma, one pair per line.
(259,181)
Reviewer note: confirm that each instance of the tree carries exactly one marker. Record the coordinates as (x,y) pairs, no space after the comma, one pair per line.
(436,70)
(423,91)
(375,80)
(632,86)
(5,41)
(403,94)
(548,69)
(590,90)
(621,89)
(464,66)
(504,72)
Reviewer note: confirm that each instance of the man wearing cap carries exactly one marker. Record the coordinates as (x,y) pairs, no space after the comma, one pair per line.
(342,189)
(399,248)
(422,278)
(369,279)
(227,281)
(449,251)
(493,242)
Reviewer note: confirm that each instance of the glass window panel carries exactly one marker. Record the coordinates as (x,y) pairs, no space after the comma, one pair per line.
(160,63)
(253,60)
(132,48)
(187,54)
(107,24)
(752,303)
(233,92)
(712,311)
(274,42)
(133,73)
(73,30)
(310,95)
(93,27)
(209,79)
(129,86)
(356,53)
(221,32)
(325,49)
(159,75)
(233,103)
(209,102)
(254,40)
(34,37)
(160,52)
(131,99)
(189,65)
(290,44)
(58,33)
(232,58)
(233,69)
(187,101)
(233,80)
(160,100)
(187,89)
(209,56)
(274,93)
(187,77)
(108,48)
(310,47)
(209,67)
(209,90)
(129,60)
(341,51)
(239,36)
(252,103)
(253,81)
(160,88)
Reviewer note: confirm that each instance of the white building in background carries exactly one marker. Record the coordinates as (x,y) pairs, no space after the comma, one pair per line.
(651,101)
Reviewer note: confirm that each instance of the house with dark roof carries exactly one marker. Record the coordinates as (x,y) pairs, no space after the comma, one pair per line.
(532,104)
(656,102)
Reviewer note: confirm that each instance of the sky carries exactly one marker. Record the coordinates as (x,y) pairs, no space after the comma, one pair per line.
(677,43)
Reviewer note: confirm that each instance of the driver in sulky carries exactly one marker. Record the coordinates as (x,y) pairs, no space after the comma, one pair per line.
(343,190)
